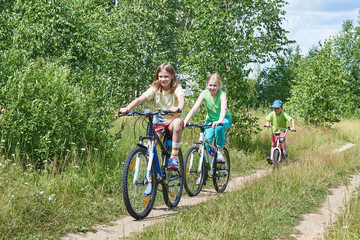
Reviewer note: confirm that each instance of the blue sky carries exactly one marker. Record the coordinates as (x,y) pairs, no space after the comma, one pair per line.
(311,21)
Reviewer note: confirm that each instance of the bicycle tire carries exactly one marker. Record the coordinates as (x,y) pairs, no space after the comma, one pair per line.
(173,183)
(135,202)
(191,174)
(276,161)
(221,173)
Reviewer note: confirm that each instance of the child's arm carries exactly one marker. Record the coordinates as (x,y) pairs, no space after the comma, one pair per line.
(136,102)
(292,125)
(223,110)
(194,109)
(268,124)
(181,100)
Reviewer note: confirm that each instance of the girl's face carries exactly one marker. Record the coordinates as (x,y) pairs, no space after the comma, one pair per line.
(213,86)
(165,79)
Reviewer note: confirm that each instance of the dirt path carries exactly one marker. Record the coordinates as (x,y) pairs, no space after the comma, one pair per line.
(312,227)
(314,224)
(125,226)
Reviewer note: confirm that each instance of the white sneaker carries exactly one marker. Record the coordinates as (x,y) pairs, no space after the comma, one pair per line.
(220,157)
(198,180)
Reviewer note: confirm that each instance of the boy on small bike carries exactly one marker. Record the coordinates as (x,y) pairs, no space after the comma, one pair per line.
(278,118)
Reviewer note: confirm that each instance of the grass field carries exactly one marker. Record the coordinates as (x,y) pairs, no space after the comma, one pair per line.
(46,205)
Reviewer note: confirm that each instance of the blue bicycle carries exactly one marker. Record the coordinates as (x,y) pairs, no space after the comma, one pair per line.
(143,169)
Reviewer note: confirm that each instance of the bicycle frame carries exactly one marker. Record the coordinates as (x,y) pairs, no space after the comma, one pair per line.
(204,154)
(278,144)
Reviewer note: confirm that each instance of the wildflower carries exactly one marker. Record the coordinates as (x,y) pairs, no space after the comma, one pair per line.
(41,192)
(75,166)
(51,197)
(29,165)
(45,161)
(2,140)
(48,141)
(72,143)
(26,183)
(82,189)
(14,164)
(1,165)
(109,177)
(13,155)
(68,150)
(45,171)
(12,196)
(345,227)
(96,149)
(83,149)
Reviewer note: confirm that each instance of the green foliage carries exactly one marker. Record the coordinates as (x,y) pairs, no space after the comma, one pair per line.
(44,114)
(275,82)
(319,90)
(348,46)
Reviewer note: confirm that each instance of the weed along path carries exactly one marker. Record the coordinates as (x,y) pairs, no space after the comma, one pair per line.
(125,226)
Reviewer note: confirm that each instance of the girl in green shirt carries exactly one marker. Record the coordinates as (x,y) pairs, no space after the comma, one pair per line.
(217,112)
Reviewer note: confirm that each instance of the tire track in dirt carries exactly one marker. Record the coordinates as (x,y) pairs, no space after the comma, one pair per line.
(314,225)
(127,225)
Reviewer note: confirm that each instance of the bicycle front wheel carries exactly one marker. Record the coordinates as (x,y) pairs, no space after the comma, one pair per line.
(173,183)
(221,173)
(194,177)
(277,159)
(138,202)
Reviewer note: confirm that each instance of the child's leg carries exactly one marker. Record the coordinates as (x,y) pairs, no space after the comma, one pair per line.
(220,133)
(176,127)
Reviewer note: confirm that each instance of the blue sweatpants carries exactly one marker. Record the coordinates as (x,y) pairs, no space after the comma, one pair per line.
(218,132)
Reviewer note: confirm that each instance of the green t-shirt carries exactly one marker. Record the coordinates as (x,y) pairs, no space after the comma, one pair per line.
(214,106)
(278,120)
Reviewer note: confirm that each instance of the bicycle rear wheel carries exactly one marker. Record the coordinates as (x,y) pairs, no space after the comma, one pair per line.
(221,173)
(277,160)
(134,183)
(173,183)
(194,178)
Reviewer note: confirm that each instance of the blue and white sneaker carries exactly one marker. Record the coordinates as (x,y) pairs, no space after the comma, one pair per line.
(173,163)
(147,191)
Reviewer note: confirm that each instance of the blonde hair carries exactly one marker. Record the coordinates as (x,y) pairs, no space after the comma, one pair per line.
(216,77)
(174,81)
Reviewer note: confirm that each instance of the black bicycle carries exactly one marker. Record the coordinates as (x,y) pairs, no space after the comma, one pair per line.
(142,170)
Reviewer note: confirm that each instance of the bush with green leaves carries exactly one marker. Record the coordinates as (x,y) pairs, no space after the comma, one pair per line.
(47,118)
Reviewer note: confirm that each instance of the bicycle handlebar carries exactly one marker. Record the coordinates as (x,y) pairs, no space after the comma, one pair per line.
(208,125)
(273,127)
(147,112)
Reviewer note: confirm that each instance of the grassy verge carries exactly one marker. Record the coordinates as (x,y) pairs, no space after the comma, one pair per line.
(270,207)
(46,204)
(348,225)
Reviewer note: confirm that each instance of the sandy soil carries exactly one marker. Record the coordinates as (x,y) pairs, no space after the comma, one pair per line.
(312,226)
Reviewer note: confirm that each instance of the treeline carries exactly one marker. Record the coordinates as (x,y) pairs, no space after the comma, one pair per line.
(67,66)
(321,87)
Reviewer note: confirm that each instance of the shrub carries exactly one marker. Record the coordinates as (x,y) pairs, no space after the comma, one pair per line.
(44,116)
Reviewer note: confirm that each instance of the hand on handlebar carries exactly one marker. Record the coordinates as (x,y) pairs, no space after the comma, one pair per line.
(175,110)
(123,110)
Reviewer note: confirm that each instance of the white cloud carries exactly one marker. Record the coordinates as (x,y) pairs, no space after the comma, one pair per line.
(309,22)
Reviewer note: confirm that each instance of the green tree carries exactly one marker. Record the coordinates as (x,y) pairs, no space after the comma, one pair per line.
(320,87)
(347,43)
(275,82)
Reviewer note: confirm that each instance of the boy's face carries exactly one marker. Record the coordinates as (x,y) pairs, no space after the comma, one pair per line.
(277,110)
